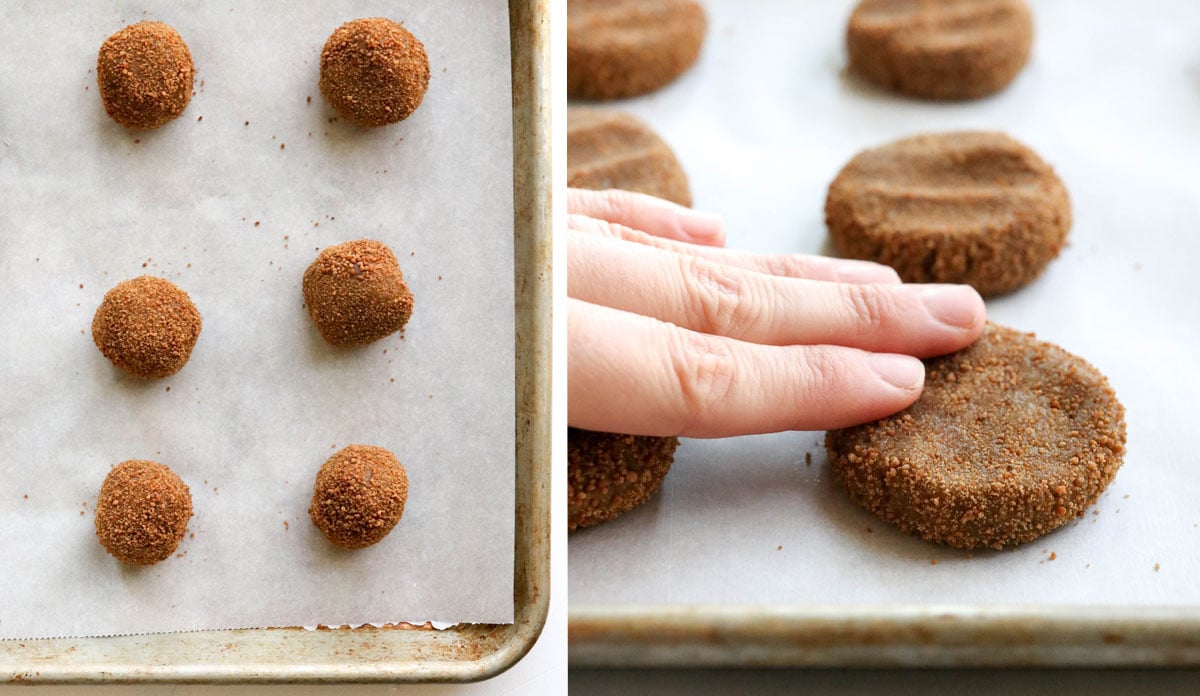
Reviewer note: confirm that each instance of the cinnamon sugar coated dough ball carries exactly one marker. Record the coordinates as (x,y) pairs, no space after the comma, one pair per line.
(145,75)
(967,207)
(1012,438)
(146,326)
(374,71)
(940,49)
(609,149)
(355,293)
(359,496)
(609,474)
(142,512)
(623,48)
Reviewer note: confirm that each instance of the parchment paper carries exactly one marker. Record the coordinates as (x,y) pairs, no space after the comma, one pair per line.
(1111,98)
(233,213)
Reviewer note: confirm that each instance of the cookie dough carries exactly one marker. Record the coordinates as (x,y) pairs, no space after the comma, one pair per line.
(142,512)
(359,496)
(355,293)
(964,207)
(608,474)
(145,75)
(609,149)
(623,48)
(374,72)
(1012,438)
(146,326)
(940,49)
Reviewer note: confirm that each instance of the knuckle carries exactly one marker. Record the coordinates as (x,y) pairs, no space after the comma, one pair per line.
(721,300)
(615,203)
(704,373)
(599,227)
(823,373)
(870,308)
(787,266)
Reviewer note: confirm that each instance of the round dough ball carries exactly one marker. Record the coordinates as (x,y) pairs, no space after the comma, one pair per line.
(609,149)
(623,48)
(359,496)
(609,474)
(374,71)
(940,49)
(145,75)
(1011,438)
(142,512)
(355,293)
(147,327)
(966,207)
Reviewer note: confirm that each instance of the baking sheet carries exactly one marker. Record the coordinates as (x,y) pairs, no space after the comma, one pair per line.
(233,213)
(1111,98)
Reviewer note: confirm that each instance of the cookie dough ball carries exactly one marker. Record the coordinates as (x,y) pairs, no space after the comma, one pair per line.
(374,71)
(359,496)
(142,512)
(966,207)
(608,474)
(940,49)
(623,48)
(1012,438)
(147,327)
(355,293)
(145,75)
(612,150)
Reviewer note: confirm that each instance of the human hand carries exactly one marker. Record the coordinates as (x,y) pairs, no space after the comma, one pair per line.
(668,334)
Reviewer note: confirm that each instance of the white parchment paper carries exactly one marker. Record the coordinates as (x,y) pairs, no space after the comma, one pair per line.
(233,213)
(1111,98)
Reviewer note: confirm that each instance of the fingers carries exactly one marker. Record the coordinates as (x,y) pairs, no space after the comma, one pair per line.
(708,297)
(632,374)
(651,215)
(788,265)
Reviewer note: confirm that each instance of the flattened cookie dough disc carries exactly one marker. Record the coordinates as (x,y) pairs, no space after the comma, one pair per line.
(612,150)
(1012,438)
(608,474)
(940,49)
(623,48)
(966,207)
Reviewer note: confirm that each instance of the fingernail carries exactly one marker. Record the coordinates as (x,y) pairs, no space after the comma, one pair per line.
(700,225)
(901,371)
(954,305)
(864,272)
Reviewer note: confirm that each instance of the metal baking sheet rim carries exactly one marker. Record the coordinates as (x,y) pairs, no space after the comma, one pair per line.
(469,652)
(875,636)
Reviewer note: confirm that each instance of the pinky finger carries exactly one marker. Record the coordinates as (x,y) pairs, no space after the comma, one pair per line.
(654,216)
